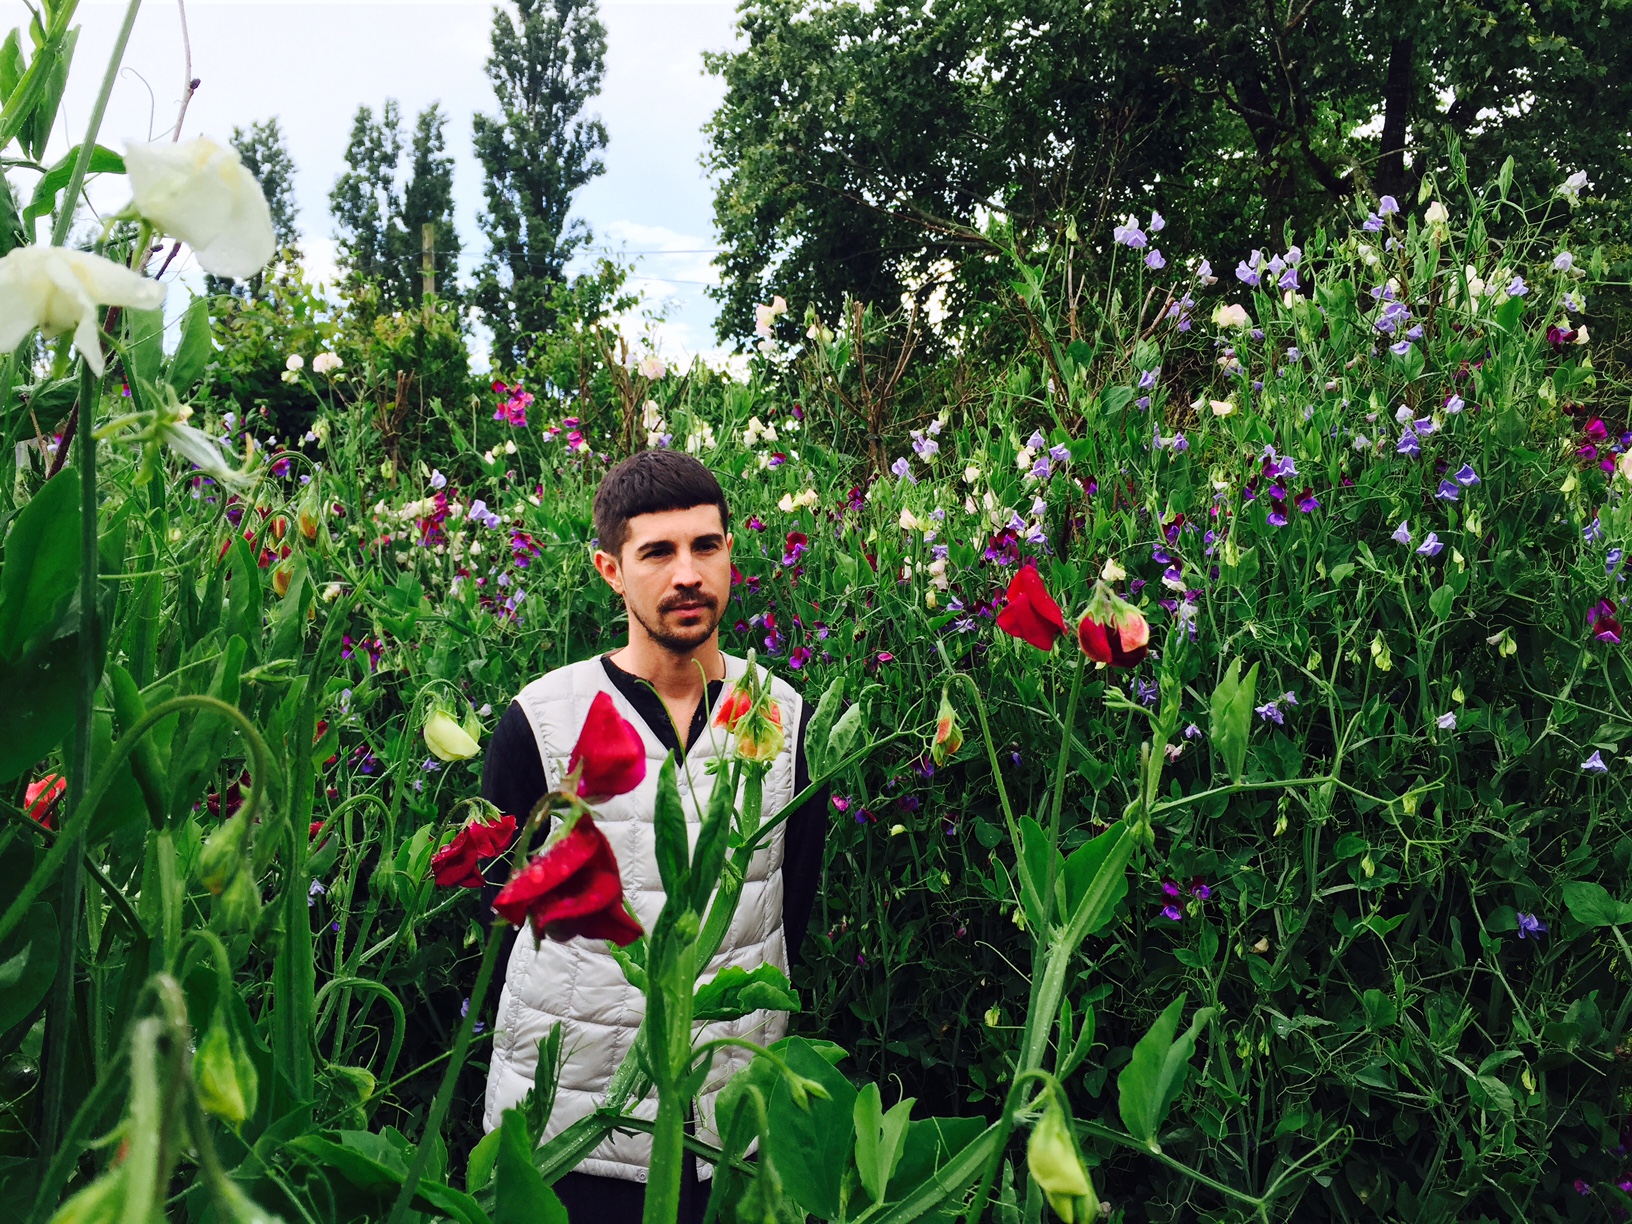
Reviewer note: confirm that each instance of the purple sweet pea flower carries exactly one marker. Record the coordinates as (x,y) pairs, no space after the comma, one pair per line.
(1402,349)
(1448,491)
(1612,561)
(1387,206)
(1454,404)
(1147,380)
(903,470)
(1531,927)
(1466,476)
(1402,533)
(1154,260)
(1430,546)
(1409,444)
(1372,223)
(1517,287)
(1271,712)
(1594,764)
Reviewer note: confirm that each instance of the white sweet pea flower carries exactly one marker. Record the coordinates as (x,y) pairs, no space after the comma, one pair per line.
(1437,214)
(58,291)
(326,363)
(652,367)
(199,191)
(1232,316)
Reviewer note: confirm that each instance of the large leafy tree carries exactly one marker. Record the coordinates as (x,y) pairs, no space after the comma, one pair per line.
(887,147)
(264,151)
(380,212)
(546,65)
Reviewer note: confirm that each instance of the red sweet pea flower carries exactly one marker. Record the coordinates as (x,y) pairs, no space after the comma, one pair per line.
(40,799)
(1601,620)
(1031,613)
(1113,632)
(457,864)
(610,752)
(572,889)
(733,706)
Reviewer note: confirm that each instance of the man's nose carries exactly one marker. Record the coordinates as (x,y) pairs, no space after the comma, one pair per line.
(685,570)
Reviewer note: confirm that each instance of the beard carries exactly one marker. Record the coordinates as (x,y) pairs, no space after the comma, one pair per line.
(680,641)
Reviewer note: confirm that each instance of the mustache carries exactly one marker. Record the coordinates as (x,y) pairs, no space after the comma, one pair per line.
(677,602)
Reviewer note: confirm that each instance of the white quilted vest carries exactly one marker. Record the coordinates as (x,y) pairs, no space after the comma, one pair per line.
(578,982)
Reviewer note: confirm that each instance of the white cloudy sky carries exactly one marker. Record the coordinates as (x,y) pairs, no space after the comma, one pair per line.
(312,64)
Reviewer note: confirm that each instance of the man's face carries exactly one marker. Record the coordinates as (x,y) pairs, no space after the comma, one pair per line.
(674,574)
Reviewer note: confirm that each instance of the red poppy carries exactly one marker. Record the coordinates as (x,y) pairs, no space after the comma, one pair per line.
(572,889)
(40,799)
(610,751)
(456,865)
(1031,614)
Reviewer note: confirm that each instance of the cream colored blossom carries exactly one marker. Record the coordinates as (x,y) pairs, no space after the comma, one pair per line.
(1232,315)
(652,367)
(200,192)
(58,290)
(326,363)
(1437,214)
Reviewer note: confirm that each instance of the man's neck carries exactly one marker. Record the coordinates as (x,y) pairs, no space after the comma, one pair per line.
(676,677)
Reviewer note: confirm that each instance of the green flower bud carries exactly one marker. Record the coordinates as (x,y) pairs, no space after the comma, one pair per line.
(1051,1155)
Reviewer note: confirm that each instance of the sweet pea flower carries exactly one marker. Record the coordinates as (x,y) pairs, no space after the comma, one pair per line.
(1446,721)
(1466,476)
(1409,444)
(1436,214)
(1030,612)
(1563,262)
(1601,621)
(1387,206)
(1531,927)
(571,889)
(1430,546)
(58,290)
(1113,631)
(1448,491)
(1154,260)
(1594,764)
(609,757)
(200,192)
(1516,287)
(1157,222)
(1571,188)
(1232,316)
(1129,234)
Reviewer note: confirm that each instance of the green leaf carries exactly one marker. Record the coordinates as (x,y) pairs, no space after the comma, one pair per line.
(735,991)
(1083,886)
(375,1165)
(193,350)
(1156,1074)
(669,832)
(520,1195)
(41,570)
(39,707)
(1441,601)
(1232,716)
(880,1139)
(1591,905)
(820,730)
(1034,869)
(28,964)
(811,1146)
(1381,1013)
(103,161)
(479,1169)
(144,343)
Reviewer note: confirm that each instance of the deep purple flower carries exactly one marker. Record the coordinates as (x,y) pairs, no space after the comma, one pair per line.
(1308,503)
(1409,444)
(1200,890)
(1531,927)
(1172,913)
(1466,476)
(1277,513)
(1448,492)
(799,657)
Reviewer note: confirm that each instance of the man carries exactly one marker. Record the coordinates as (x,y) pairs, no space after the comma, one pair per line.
(663,531)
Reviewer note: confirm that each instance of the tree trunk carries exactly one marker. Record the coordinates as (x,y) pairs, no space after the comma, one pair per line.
(1391,177)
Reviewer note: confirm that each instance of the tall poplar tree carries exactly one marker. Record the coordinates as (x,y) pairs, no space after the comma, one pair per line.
(545,67)
(380,212)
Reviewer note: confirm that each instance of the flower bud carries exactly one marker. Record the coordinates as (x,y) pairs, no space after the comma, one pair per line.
(948,735)
(446,739)
(1051,1156)
(760,736)
(240,902)
(221,1089)
(734,705)
(223,855)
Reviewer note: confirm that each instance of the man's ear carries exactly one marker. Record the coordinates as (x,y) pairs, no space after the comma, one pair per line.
(607,565)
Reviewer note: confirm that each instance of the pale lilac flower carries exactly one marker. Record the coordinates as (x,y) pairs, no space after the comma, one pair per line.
(1204,273)
(1271,712)
(1454,404)
(1387,206)
(1157,222)
(1129,234)
(1402,533)
(1446,722)
(1036,441)
(903,470)
(1060,452)
(1594,764)
(1147,380)
(1430,546)
(1424,425)
(1409,445)
(1401,348)
(1154,260)
(1372,223)
(1517,287)
(438,481)
(1563,262)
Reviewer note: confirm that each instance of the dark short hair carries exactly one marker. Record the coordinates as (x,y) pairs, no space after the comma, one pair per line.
(651,482)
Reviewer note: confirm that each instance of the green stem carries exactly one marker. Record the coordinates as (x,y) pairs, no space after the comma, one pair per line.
(59,1018)
(82,163)
(1059,799)
(668,1153)
(444,1094)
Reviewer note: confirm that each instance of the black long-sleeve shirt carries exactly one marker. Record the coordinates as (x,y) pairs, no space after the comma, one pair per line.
(513,781)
